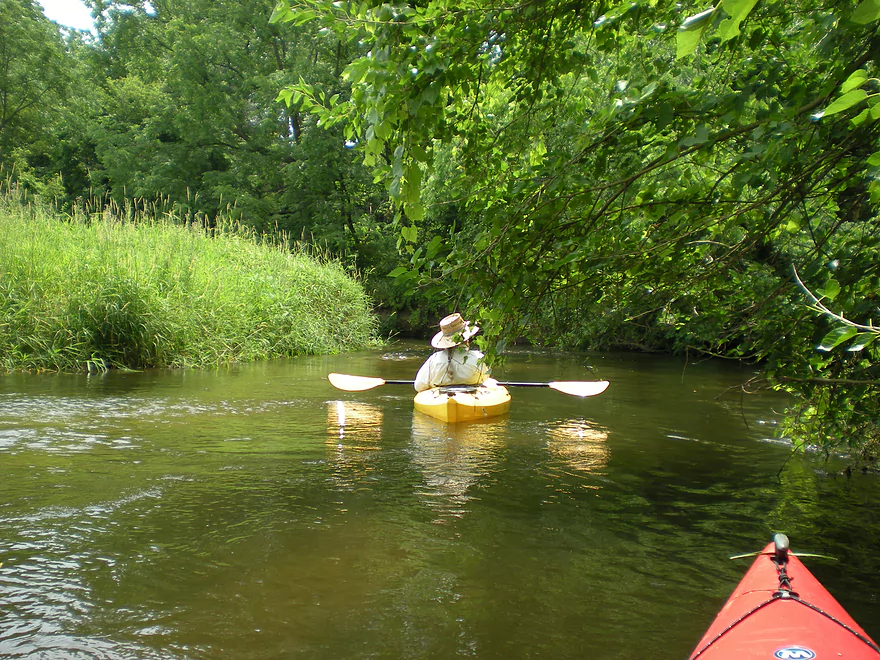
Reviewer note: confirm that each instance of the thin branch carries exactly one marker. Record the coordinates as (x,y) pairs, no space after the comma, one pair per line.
(830,381)
(837,317)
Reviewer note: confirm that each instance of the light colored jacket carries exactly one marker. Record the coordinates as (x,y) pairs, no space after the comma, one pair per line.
(452,366)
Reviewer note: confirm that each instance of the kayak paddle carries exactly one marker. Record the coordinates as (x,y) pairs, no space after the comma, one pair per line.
(573,387)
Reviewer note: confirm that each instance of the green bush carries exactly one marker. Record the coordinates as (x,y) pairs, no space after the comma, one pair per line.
(84,293)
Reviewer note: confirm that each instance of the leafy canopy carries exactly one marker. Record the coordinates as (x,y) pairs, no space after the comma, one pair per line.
(639,174)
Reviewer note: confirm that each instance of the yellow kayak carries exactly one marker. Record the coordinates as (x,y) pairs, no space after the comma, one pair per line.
(463,403)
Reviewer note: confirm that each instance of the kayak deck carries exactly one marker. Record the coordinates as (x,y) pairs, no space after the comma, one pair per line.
(457,403)
(781,611)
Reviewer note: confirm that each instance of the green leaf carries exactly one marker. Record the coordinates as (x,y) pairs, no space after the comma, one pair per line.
(832,288)
(860,118)
(691,31)
(355,71)
(536,155)
(433,247)
(410,234)
(700,136)
(303,16)
(874,159)
(281,13)
(856,79)
(845,102)
(413,184)
(419,153)
(397,272)
(414,211)
(836,337)
(867,12)
(862,340)
(686,42)
(738,10)
(383,130)
(648,90)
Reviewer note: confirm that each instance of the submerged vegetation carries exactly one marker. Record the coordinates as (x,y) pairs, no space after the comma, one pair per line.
(80,293)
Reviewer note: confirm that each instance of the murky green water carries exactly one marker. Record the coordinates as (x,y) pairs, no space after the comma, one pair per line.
(259,513)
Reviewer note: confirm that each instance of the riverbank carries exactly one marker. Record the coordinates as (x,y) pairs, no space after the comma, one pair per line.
(82,293)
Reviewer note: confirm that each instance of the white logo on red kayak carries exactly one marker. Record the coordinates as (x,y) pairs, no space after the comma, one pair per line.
(794,653)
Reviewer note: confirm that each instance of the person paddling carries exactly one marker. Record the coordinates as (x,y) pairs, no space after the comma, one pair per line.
(456,363)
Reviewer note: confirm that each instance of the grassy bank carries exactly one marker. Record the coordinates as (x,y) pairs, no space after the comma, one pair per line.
(78,294)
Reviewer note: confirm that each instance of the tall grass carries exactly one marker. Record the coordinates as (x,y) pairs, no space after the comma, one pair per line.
(82,293)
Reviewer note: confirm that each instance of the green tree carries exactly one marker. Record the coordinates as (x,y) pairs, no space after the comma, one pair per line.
(34,85)
(189,115)
(643,174)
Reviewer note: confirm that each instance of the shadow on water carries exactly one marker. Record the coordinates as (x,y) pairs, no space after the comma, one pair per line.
(256,512)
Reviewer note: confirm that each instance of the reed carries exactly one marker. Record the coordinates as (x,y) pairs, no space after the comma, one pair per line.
(125,288)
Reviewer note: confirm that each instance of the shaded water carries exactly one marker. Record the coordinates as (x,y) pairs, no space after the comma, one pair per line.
(259,513)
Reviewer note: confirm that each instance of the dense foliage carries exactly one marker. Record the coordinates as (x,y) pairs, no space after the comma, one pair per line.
(173,104)
(33,86)
(647,174)
(146,293)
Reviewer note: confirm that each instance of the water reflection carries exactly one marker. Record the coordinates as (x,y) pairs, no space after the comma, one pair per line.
(246,513)
(359,422)
(453,458)
(579,443)
(354,435)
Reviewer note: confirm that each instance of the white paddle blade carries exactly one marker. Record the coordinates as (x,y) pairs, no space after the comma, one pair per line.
(354,383)
(580,387)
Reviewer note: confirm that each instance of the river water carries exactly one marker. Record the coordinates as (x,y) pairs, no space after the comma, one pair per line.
(256,512)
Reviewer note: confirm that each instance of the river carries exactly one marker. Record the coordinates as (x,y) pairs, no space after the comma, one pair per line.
(256,512)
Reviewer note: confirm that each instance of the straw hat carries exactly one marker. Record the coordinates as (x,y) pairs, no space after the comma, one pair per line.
(453,331)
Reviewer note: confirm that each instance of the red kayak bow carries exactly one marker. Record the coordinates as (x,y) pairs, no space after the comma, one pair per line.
(779,611)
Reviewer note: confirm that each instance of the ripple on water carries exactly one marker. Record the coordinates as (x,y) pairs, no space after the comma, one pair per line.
(38,410)
(256,524)
(51,565)
(60,440)
(55,645)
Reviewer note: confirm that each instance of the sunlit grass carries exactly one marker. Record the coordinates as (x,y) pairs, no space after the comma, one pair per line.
(90,293)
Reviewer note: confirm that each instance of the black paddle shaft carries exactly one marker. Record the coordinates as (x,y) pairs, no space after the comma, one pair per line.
(508,384)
